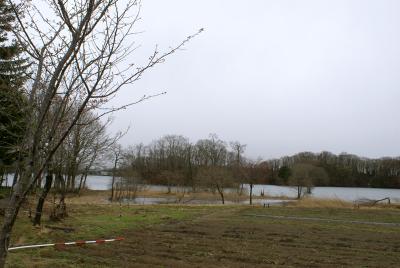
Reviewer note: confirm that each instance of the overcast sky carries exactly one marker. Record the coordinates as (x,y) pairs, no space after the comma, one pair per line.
(279,76)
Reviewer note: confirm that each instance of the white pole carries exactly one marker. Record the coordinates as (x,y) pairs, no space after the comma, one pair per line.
(100,241)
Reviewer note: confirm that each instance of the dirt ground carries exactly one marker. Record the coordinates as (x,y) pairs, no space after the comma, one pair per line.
(231,237)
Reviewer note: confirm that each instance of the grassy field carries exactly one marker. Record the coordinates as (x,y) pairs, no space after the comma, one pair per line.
(213,236)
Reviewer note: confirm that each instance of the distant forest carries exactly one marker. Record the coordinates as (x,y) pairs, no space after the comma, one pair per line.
(173,160)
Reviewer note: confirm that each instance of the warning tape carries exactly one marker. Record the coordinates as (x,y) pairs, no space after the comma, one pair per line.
(77,243)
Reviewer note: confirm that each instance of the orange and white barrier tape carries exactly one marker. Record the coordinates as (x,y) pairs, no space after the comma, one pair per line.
(77,243)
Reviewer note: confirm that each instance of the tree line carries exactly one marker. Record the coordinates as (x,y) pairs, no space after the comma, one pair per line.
(174,160)
(343,170)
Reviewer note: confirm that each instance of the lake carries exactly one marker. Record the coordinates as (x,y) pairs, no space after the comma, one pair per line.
(343,193)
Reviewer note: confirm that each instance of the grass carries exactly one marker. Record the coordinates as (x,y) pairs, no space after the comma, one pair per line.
(345,214)
(310,202)
(96,221)
(89,222)
(102,197)
(91,197)
(214,236)
(4,191)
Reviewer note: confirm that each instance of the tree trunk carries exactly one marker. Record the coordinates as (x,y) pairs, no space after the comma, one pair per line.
(80,183)
(221,193)
(10,216)
(73,183)
(116,159)
(112,186)
(2,178)
(15,179)
(60,211)
(251,193)
(84,181)
(169,188)
(241,189)
(309,190)
(68,182)
(42,198)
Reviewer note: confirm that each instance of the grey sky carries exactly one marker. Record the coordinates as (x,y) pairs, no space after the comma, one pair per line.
(279,76)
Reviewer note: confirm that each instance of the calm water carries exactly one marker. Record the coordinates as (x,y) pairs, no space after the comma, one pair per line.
(343,193)
(164,200)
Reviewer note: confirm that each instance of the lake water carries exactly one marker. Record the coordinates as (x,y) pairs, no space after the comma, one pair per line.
(172,200)
(343,193)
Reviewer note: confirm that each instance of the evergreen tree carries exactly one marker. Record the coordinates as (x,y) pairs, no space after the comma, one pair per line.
(12,67)
(284,173)
(12,77)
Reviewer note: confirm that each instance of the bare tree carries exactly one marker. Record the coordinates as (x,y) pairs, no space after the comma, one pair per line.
(117,151)
(79,59)
(303,177)
(238,163)
(219,178)
(80,149)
